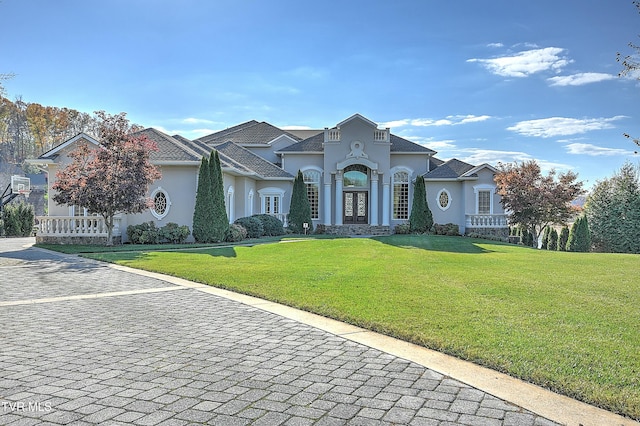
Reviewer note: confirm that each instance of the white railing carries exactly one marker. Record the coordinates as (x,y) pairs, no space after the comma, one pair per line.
(75,226)
(486,221)
(381,135)
(332,135)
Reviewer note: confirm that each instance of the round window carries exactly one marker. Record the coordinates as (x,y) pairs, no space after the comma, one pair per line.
(161,203)
(444,199)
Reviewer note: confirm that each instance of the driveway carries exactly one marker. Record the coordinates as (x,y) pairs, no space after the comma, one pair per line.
(85,343)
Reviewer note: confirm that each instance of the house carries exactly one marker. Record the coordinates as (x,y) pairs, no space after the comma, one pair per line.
(359,180)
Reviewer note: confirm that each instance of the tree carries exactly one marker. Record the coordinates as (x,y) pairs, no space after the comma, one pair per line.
(613,209)
(533,200)
(545,238)
(300,209)
(552,242)
(111,178)
(220,223)
(421,218)
(203,211)
(563,238)
(579,236)
(631,67)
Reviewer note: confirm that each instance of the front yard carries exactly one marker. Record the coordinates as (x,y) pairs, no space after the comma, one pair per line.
(566,321)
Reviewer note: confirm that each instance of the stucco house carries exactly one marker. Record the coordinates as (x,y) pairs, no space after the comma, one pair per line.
(359,180)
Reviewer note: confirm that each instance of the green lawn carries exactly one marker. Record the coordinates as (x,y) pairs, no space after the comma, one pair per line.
(566,321)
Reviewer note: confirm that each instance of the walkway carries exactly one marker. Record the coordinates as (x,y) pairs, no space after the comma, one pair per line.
(88,343)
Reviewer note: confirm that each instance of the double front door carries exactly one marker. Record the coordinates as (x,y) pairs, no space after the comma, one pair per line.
(355,207)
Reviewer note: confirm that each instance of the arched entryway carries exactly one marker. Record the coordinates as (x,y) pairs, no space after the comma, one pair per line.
(356,194)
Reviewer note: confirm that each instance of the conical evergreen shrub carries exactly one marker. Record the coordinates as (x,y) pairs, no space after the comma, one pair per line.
(220,223)
(300,209)
(421,218)
(203,214)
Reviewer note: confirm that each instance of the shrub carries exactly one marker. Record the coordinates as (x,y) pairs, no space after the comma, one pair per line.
(552,242)
(235,233)
(563,238)
(252,225)
(446,229)
(421,218)
(299,210)
(402,228)
(579,236)
(271,224)
(173,233)
(18,219)
(144,233)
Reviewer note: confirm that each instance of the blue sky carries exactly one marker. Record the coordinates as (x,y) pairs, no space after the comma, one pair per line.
(482,81)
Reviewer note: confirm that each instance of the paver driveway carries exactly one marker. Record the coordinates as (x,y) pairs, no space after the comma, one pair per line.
(147,352)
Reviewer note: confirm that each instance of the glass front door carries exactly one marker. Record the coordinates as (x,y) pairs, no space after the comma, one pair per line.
(355,207)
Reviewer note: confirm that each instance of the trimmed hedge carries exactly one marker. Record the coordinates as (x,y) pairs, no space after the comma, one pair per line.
(235,233)
(271,224)
(252,225)
(149,233)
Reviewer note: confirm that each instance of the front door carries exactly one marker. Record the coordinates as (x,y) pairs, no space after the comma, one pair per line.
(355,207)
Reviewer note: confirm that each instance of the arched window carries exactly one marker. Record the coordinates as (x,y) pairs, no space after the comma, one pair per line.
(355,176)
(443,199)
(161,203)
(401,195)
(312,180)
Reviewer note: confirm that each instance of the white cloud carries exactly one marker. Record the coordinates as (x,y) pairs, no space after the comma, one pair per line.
(479,156)
(192,120)
(562,126)
(495,45)
(580,79)
(451,120)
(525,63)
(595,151)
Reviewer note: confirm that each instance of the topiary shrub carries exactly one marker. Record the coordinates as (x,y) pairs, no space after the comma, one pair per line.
(174,233)
(446,229)
(252,225)
(271,224)
(235,233)
(402,228)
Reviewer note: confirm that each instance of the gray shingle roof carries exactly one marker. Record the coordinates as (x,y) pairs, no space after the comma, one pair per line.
(399,144)
(451,169)
(169,148)
(245,160)
(249,133)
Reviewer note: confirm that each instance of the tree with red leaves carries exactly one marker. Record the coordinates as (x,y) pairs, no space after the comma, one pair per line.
(111,178)
(535,201)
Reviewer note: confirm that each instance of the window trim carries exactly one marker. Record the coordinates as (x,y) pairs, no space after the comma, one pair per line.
(449,199)
(318,183)
(271,192)
(155,192)
(484,188)
(409,173)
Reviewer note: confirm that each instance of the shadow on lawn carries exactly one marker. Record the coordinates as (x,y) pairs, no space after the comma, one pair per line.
(434,243)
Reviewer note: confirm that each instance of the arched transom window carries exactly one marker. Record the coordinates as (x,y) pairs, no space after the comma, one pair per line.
(356,176)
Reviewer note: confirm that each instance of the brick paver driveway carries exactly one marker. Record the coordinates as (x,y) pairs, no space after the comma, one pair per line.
(110,347)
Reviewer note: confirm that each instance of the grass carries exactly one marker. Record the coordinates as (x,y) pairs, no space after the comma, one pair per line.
(566,321)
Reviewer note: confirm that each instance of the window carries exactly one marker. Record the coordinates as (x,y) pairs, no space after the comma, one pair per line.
(271,199)
(161,203)
(444,199)
(312,179)
(484,202)
(484,198)
(230,204)
(401,195)
(355,176)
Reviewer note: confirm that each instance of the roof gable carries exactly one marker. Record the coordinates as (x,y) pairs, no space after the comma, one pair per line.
(359,118)
(55,150)
(452,169)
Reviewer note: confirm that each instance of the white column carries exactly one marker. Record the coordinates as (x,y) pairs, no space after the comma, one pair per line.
(327,203)
(339,197)
(386,207)
(374,198)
